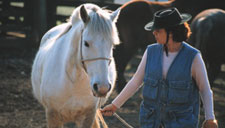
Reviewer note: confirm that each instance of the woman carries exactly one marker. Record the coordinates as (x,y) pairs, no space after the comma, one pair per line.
(174,75)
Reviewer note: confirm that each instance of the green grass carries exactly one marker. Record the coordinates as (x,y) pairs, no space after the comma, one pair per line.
(64,10)
(17,4)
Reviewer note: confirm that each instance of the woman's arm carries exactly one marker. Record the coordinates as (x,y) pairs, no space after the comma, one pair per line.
(130,88)
(133,85)
(199,73)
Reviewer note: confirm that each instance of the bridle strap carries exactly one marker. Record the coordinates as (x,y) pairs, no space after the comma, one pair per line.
(90,59)
(98,58)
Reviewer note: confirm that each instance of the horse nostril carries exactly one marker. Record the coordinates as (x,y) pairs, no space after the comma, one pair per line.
(109,87)
(95,86)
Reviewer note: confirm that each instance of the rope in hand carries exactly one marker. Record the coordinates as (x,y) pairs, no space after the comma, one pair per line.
(117,116)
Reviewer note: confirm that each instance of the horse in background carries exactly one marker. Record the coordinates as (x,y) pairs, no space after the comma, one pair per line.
(74,73)
(132,19)
(194,7)
(208,29)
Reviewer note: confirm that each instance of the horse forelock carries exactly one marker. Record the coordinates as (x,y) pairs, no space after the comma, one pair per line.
(100,22)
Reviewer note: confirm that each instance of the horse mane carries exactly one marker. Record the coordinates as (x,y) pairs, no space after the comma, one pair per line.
(99,22)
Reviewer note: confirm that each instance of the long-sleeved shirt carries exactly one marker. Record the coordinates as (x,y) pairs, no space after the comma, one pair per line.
(198,71)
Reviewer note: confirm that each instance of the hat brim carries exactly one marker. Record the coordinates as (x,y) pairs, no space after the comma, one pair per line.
(185,17)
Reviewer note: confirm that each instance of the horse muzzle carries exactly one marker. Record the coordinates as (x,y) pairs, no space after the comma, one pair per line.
(100,90)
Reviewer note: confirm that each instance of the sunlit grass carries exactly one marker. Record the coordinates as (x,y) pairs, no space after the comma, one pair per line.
(17,4)
(64,10)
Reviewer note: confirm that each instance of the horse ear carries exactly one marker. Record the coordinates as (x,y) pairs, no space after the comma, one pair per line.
(84,14)
(114,16)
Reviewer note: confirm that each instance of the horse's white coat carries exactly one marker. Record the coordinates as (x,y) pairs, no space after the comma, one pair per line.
(59,80)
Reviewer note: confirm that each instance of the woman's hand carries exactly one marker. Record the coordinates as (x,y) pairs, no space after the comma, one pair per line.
(210,124)
(109,110)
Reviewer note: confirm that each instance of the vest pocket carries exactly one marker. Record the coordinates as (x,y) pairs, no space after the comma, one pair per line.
(150,89)
(179,92)
(184,118)
(147,116)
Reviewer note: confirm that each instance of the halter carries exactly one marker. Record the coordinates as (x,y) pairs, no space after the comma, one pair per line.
(90,59)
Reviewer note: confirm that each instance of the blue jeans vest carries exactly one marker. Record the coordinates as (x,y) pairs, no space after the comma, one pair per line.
(172,102)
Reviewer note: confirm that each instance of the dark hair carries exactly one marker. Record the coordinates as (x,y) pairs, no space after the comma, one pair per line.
(180,32)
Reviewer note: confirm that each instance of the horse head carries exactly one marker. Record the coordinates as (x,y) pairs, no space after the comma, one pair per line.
(98,37)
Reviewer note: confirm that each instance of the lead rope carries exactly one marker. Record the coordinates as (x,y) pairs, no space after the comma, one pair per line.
(122,120)
(117,116)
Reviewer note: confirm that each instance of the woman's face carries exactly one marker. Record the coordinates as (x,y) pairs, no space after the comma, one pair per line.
(160,35)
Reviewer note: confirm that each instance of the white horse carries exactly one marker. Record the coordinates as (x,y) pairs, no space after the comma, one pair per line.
(74,67)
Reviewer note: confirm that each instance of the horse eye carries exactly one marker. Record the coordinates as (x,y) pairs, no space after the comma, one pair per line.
(86,44)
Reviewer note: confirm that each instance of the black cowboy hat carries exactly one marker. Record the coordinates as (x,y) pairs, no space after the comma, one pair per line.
(167,18)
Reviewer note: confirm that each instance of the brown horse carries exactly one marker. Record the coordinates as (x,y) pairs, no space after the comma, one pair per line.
(196,6)
(132,19)
(208,29)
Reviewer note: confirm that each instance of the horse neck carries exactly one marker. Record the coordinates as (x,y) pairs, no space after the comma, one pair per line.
(73,59)
(160,5)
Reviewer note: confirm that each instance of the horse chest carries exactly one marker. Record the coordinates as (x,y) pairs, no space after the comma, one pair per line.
(77,107)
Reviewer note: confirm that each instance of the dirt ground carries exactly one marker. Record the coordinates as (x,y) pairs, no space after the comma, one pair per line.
(19,109)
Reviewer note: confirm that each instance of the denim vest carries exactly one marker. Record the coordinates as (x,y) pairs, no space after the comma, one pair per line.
(172,102)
